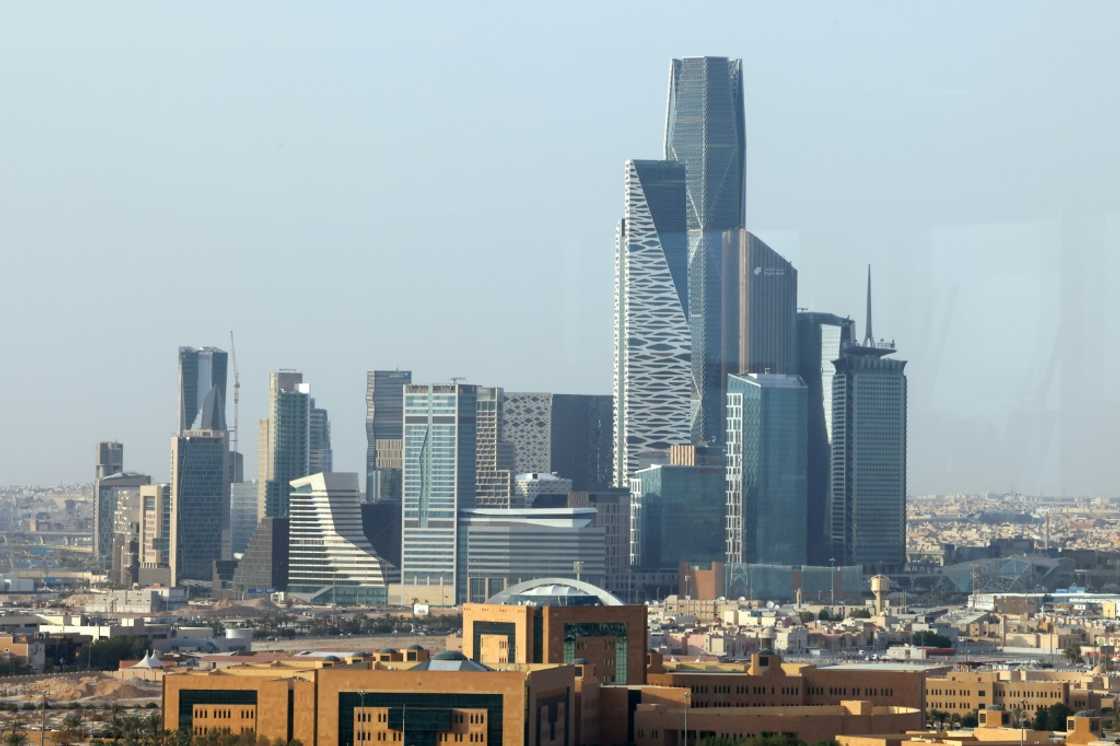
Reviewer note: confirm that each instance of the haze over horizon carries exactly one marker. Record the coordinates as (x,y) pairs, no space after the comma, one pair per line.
(343,203)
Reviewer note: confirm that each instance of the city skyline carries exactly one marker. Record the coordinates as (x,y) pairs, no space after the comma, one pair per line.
(957,259)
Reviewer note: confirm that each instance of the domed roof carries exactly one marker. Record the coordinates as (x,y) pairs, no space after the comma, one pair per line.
(555,592)
(449,655)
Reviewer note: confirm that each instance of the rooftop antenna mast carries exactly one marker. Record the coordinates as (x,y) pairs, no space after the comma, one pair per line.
(236,395)
(868,335)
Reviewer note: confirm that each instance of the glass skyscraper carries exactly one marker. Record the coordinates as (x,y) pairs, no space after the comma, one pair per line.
(676,515)
(820,339)
(653,383)
(384,430)
(202,388)
(766,458)
(199,503)
(284,441)
(439,479)
(705,130)
(320,457)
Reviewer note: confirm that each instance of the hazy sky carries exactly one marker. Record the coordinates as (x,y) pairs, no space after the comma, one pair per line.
(435,186)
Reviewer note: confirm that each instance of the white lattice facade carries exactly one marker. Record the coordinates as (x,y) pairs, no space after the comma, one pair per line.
(527,427)
(653,382)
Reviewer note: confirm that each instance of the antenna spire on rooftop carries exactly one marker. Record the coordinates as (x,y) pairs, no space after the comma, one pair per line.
(868,336)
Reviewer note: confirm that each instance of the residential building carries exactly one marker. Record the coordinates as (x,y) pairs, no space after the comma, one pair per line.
(867,494)
(438,480)
(329,558)
(559,620)
(705,130)
(565,434)
(243,516)
(499,548)
(821,337)
(493,457)
(284,441)
(155,534)
(766,455)
(199,503)
(264,566)
(109,491)
(384,431)
(202,388)
(654,388)
(319,454)
(676,515)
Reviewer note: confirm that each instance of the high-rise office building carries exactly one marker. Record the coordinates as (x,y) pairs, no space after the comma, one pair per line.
(125,551)
(820,339)
(384,431)
(199,503)
(110,459)
(439,480)
(155,534)
(320,456)
(676,515)
(653,382)
(867,496)
(612,514)
(760,307)
(766,456)
(706,131)
(566,434)
(110,491)
(493,456)
(329,558)
(264,567)
(243,517)
(202,388)
(284,441)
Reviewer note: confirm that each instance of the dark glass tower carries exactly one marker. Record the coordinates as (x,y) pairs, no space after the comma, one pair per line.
(867,494)
(820,339)
(202,388)
(384,431)
(706,131)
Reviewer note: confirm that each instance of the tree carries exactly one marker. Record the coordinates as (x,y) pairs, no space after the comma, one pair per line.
(929,639)
(1056,716)
(971,720)
(1072,651)
(1040,719)
(15,736)
(805,616)
(824,616)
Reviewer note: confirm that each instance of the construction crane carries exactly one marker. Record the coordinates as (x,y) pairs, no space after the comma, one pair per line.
(236,396)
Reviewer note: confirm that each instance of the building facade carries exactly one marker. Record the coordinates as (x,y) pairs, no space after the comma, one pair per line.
(264,567)
(155,534)
(439,479)
(867,493)
(820,339)
(493,456)
(499,548)
(329,556)
(110,459)
(612,514)
(243,516)
(766,518)
(284,441)
(320,457)
(705,130)
(566,434)
(654,390)
(202,388)
(676,515)
(199,500)
(384,431)
(110,491)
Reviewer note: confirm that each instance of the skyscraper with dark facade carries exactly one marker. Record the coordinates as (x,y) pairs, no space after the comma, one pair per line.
(202,388)
(766,454)
(653,382)
(759,307)
(439,480)
(110,458)
(384,431)
(565,434)
(821,337)
(676,515)
(320,457)
(199,500)
(706,131)
(284,441)
(867,497)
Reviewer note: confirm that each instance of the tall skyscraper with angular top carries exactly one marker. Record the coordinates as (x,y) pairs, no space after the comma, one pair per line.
(705,130)
(202,388)
(653,382)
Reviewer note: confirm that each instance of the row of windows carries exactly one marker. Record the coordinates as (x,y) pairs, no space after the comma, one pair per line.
(223,714)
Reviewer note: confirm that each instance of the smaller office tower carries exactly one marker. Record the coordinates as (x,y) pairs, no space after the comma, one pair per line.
(284,441)
(867,498)
(612,514)
(820,339)
(243,516)
(110,459)
(499,548)
(199,503)
(676,515)
(654,390)
(494,457)
(760,307)
(110,491)
(202,388)
(565,434)
(439,481)
(766,456)
(125,564)
(320,457)
(329,558)
(155,534)
(384,431)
